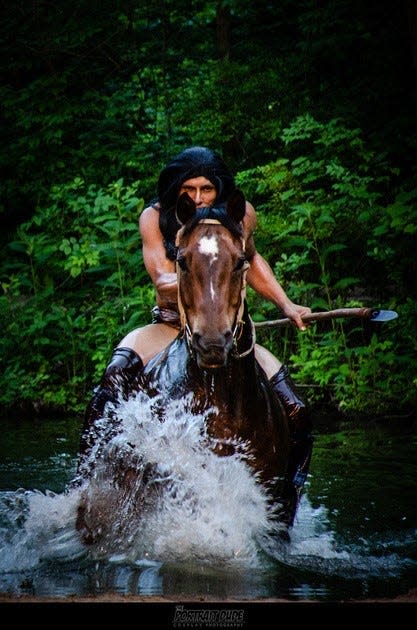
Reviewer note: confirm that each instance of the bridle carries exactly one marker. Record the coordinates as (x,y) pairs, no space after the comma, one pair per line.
(239,322)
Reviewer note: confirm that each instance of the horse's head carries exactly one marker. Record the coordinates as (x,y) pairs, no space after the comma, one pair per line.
(211,268)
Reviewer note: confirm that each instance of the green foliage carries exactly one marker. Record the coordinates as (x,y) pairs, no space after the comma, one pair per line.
(357,378)
(71,289)
(326,233)
(312,207)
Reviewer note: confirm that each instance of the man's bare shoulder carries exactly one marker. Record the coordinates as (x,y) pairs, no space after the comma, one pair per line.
(249,220)
(149,218)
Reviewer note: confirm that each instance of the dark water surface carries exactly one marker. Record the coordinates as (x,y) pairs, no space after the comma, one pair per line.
(355,536)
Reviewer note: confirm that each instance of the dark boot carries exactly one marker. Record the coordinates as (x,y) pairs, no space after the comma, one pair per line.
(117,382)
(301,441)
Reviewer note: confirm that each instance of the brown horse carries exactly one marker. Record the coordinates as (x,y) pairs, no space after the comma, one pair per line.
(213,357)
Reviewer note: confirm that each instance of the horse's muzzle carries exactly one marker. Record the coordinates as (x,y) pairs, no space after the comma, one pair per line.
(212,351)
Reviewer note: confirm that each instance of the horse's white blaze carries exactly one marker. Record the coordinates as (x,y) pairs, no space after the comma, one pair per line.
(209,247)
(212,292)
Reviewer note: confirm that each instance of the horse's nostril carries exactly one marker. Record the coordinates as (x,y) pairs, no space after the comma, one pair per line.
(228,335)
(196,340)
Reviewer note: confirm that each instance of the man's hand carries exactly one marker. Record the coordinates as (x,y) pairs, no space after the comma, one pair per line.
(295,312)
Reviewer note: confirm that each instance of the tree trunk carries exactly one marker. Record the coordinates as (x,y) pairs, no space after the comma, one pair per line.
(223,31)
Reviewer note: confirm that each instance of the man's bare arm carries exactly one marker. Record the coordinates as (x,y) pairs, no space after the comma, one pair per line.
(160,268)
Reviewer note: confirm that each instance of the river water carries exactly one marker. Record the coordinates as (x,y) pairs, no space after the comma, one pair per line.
(355,535)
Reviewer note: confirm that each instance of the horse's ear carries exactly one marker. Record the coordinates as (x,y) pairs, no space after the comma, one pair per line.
(185,208)
(236,206)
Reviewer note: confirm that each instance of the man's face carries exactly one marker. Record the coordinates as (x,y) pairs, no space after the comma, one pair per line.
(201,191)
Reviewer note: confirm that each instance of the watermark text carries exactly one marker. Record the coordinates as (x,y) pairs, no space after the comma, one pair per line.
(208,617)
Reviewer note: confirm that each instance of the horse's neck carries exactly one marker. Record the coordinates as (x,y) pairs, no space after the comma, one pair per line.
(225,386)
(175,371)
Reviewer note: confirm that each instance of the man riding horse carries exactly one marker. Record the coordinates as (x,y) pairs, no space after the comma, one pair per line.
(202,174)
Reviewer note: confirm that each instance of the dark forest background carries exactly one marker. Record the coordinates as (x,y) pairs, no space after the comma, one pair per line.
(313,104)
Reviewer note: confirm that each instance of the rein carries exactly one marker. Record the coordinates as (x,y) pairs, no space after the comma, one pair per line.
(238,327)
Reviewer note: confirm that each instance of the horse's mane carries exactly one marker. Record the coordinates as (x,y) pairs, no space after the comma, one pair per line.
(218,213)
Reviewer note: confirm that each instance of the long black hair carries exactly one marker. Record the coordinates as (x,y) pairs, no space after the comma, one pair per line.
(192,162)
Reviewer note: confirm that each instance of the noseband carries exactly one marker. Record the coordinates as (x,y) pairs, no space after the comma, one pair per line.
(238,326)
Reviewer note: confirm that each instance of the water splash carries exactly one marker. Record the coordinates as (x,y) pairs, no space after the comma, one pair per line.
(37,527)
(187,501)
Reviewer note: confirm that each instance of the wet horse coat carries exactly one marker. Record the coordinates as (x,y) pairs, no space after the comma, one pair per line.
(212,360)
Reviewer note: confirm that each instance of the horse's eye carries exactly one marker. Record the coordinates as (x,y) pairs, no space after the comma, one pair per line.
(181,263)
(240,263)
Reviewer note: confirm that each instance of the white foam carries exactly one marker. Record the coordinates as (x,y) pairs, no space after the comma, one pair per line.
(41,527)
